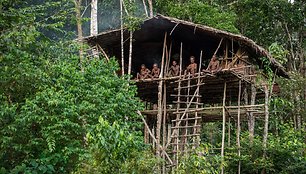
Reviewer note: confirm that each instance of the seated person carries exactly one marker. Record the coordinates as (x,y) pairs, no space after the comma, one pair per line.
(174,69)
(144,73)
(192,67)
(213,66)
(155,71)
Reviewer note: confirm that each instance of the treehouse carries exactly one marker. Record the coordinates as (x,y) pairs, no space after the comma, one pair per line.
(177,107)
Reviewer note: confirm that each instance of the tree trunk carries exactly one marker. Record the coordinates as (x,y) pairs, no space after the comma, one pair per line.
(130,54)
(77,4)
(151,7)
(122,37)
(94,18)
(251,115)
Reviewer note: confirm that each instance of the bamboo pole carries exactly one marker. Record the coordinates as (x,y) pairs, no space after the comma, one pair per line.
(251,115)
(238,127)
(160,90)
(122,37)
(178,106)
(195,130)
(153,137)
(229,130)
(164,124)
(130,53)
(266,124)
(223,127)
(218,46)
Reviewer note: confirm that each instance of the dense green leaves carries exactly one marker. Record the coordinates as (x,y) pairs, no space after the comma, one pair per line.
(199,12)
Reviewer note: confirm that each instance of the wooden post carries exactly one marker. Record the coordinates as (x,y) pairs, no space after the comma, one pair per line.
(238,126)
(251,118)
(195,130)
(122,37)
(178,106)
(223,126)
(229,132)
(160,90)
(164,125)
(218,46)
(130,53)
(266,124)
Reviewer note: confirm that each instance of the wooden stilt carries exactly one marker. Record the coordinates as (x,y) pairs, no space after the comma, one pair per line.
(154,139)
(266,124)
(251,115)
(164,125)
(160,90)
(238,126)
(229,132)
(176,131)
(223,126)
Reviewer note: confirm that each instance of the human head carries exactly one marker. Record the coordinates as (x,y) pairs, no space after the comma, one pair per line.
(192,59)
(155,66)
(174,63)
(143,66)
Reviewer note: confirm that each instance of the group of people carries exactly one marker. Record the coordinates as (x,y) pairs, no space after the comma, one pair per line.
(192,68)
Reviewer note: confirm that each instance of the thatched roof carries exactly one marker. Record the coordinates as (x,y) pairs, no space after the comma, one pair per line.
(152,30)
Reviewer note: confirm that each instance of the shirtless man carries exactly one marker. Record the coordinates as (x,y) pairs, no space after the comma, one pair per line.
(192,67)
(213,65)
(155,71)
(144,73)
(174,69)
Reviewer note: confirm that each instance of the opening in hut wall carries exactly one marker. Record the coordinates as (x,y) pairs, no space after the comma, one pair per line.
(213,78)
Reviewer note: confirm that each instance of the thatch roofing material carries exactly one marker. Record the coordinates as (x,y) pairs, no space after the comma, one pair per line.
(153,27)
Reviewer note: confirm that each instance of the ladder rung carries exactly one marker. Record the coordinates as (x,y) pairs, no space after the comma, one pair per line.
(175,95)
(183,143)
(185,119)
(184,87)
(187,102)
(190,135)
(186,126)
(191,110)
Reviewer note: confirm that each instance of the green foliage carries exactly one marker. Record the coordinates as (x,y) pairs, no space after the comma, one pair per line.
(199,161)
(278,52)
(199,12)
(284,153)
(113,148)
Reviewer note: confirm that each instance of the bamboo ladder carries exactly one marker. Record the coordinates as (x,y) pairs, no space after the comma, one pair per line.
(185,128)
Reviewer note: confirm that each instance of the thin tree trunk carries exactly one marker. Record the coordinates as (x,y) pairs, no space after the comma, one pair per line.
(77,4)
(94,18)
(266,123)
(145,7)
(151,7)
(251,115)
(122,37)
(130,53)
